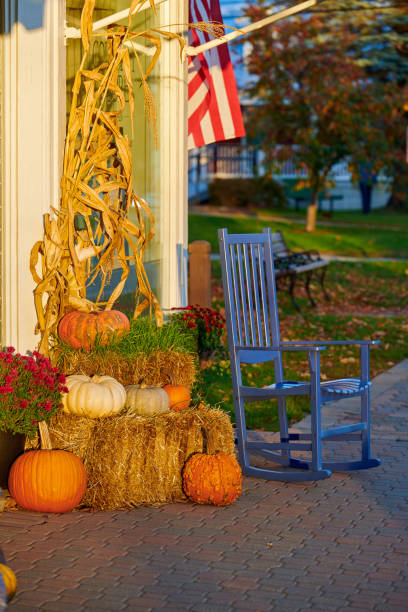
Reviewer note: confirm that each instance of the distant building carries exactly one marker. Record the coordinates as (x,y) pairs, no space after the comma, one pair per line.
(234,158)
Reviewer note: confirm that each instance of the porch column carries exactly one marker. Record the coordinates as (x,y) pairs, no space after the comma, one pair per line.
(34,129)
(174,159)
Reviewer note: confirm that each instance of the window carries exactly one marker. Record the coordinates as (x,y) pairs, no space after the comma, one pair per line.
(150,164)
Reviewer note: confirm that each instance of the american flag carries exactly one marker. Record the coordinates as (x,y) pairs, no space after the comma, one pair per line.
(214,112)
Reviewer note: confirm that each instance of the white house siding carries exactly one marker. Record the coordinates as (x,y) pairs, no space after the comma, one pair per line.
(352,197)
(344,186)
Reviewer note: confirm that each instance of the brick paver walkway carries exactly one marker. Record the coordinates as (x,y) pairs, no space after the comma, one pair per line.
(339,544)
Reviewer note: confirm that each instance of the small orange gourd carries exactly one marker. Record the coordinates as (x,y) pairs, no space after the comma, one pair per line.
(47,480)
(212,477)
(180,397)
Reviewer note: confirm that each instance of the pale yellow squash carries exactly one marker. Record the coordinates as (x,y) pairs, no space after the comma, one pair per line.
(147,400)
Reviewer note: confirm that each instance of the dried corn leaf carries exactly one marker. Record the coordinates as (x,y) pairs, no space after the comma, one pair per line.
(86,23)
(91,223)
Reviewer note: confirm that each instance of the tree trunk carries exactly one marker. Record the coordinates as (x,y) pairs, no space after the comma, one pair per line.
(398,199)
(311,213)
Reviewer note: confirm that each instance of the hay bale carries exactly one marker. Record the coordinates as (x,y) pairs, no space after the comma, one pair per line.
(158,368)
(137,460)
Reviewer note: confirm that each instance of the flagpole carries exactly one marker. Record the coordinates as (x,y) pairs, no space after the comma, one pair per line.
(71,32)
(191,51)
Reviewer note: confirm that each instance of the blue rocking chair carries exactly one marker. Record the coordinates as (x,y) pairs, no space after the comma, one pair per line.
(253,336)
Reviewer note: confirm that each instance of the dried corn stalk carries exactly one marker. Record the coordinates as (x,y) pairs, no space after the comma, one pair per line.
(92,221)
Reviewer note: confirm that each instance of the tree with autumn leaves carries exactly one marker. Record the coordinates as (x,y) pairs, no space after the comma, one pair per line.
(314,102)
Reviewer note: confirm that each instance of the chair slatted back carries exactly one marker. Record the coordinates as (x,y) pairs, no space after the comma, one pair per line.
(249,291)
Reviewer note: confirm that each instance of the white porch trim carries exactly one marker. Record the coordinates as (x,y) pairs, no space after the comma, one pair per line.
(34,129)
(174,159)
(71,32)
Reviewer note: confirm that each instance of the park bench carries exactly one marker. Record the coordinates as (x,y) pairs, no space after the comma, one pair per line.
(291,264)
(303,195)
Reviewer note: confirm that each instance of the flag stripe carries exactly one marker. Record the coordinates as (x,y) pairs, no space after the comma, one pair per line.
(214,112)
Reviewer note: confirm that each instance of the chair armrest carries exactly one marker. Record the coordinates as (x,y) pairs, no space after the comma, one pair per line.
(306,343)
(268,353)
(274,349)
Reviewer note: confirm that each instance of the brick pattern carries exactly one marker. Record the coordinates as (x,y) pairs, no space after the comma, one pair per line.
(334,545)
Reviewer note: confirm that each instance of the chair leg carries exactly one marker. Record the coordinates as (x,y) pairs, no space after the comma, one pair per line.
(241,432)
(365,418)
(283,424)
(366,459)
(365,413)
(316,435)
(315,409)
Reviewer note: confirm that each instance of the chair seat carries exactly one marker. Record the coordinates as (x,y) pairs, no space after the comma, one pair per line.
(330,390)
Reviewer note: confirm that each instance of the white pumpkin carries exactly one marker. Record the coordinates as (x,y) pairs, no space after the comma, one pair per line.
(94,397)
(147,400)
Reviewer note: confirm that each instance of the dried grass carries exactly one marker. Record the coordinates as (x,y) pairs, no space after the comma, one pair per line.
(136,460)
(158,368)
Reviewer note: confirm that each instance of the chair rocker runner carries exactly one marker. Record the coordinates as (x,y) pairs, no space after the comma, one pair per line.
(253,336)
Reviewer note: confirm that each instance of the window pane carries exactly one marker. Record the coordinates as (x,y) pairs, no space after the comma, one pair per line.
(145,157)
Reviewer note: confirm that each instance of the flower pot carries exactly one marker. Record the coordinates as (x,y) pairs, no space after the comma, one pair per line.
(11,445)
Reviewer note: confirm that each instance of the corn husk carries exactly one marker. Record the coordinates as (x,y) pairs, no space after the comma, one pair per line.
(97,186)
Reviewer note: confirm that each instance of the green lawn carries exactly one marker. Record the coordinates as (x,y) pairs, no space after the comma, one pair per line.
(381,217)
(356,240)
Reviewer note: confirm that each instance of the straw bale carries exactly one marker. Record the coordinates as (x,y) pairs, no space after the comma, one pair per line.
(137,460)
(158,368)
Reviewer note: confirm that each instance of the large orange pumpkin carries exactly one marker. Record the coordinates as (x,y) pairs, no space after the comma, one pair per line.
(212,479)
(47,480)
(80,329)
(180,397)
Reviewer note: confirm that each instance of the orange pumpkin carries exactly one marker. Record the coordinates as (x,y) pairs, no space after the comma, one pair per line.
(180,397)
(80,329)
(47,480)
(212,479)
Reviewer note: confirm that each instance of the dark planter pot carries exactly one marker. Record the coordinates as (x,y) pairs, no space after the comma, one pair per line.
(11,445)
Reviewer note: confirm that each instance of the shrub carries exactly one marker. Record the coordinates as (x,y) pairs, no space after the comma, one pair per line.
(30,391)
(256,192)
(207,324)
